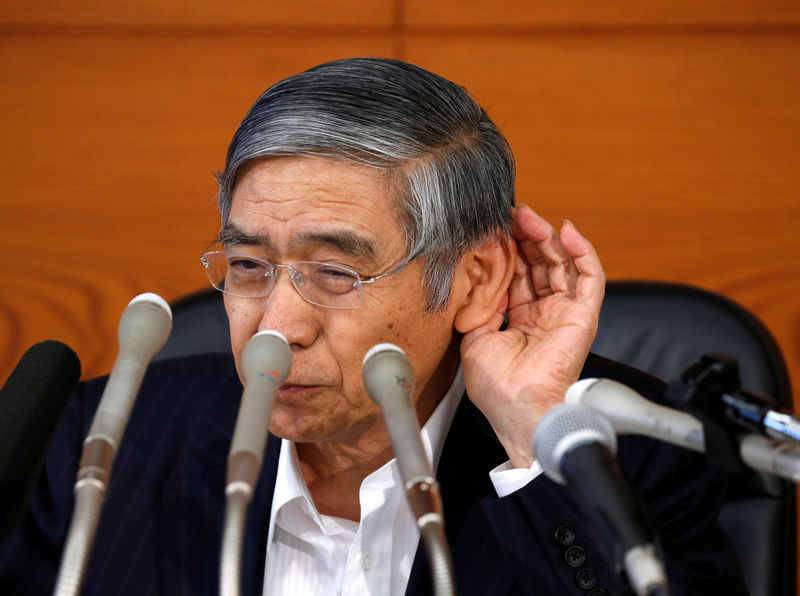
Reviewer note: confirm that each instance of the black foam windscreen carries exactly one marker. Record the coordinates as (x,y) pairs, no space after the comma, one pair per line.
(31,403)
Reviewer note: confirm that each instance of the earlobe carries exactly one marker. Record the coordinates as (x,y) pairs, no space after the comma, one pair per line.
(486,275)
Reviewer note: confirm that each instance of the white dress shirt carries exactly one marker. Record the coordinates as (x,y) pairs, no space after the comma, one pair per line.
(310,554)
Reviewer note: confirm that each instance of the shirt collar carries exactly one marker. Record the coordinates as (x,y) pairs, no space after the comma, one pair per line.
(289,483)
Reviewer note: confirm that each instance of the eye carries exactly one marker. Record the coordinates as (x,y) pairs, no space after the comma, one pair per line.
(240,263)
(243,268)
(331,278)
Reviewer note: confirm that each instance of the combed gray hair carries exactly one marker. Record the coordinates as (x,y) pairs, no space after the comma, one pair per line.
(451,168)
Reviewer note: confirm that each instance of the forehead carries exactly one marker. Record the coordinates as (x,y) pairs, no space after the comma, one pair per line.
(291,201)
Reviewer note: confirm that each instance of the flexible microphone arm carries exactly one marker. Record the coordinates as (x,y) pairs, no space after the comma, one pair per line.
(143,330)
(389,380)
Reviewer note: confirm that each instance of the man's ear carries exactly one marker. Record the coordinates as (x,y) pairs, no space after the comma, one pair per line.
(485,273)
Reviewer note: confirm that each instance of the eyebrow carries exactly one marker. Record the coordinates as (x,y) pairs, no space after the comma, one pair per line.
(344,241)
(231,234)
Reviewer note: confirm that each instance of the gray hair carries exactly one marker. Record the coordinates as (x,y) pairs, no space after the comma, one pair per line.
(451,168)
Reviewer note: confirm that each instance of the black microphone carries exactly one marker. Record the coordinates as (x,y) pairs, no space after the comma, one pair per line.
(389,380)
(575,445)
(143,330)
(31,403)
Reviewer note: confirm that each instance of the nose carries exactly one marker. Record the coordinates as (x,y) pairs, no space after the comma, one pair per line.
(285,310)
(296,277)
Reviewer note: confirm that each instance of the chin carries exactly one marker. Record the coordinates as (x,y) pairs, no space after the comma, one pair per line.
(300,428)
(322,427)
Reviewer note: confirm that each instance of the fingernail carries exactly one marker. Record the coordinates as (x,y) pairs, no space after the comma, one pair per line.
(566,221)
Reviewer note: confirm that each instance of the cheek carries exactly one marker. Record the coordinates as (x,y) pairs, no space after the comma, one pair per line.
(347,338)
(347,341)
(243,320)
(428,343)
(425,338)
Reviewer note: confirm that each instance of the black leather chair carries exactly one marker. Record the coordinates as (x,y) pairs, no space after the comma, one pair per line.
(661,328)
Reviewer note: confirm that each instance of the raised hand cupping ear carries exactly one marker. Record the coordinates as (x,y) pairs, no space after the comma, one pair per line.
(515,375)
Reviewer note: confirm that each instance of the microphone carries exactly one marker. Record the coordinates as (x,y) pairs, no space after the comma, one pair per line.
(389,380)
(265,363)
(631,413)
(31,403)
(575,446)
(143,330)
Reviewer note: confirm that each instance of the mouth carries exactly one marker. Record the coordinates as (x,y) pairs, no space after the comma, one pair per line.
(291,390)
(297,386)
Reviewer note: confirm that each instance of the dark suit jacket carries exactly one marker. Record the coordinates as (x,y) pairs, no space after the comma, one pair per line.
(161,524)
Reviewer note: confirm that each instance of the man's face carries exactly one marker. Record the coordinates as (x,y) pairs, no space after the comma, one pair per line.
(290,209)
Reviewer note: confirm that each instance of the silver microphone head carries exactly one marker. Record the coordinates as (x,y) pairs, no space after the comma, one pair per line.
(266,361)
(266,355)
(144,326)
(564,427)
(387,374)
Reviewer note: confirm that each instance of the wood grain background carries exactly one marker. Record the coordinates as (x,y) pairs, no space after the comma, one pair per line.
(668,130)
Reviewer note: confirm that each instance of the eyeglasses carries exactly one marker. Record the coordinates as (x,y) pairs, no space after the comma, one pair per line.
(323,284)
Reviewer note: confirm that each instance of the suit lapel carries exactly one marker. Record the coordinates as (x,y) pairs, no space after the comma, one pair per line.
(189,514)
(470,452)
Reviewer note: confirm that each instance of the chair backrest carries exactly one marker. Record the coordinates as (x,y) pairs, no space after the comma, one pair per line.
(663,328)
(660,328)
(199,326)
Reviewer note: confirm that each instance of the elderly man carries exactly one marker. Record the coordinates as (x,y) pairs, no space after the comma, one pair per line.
(368,201)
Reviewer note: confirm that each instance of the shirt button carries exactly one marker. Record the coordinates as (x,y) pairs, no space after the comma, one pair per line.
(575,556)
(597,592)
(585,578)
(366,561)
(565,536)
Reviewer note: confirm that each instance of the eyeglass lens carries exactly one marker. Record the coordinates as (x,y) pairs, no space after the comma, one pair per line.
(324,284)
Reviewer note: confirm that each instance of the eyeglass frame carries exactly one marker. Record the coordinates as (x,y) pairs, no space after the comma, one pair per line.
(274,276)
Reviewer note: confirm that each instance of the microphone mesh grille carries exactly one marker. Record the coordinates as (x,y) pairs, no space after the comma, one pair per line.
(565,426)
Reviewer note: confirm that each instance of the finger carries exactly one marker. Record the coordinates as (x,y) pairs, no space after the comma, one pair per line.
(591,280)
(521,289)
(529,230)
(552,267)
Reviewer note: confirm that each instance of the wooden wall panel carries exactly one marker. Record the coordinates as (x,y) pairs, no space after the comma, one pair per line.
(514,14)
(108,154)
(342,13)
